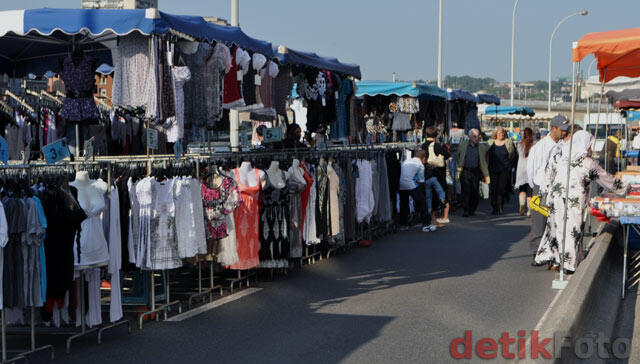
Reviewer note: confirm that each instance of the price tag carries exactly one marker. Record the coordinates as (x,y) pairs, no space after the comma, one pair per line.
(324,101)
(337,95)
(258,80)
(272,135)
(88,148)
(240,75)
(152,138)
(4,151)
(53,152)
(177,149)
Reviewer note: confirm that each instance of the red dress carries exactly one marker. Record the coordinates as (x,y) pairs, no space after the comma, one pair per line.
(306,192)
(247,217)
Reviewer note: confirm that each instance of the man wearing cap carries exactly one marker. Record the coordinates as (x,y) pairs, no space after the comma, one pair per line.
(539,156)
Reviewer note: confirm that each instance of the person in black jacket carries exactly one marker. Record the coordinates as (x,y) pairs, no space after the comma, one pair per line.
(436,166)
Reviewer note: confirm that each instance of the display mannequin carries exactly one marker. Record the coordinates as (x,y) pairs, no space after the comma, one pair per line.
(276,176)
(248,176)
(296,171)
(93,245)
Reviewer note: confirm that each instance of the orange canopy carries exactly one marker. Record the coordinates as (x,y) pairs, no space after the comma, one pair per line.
(617,52)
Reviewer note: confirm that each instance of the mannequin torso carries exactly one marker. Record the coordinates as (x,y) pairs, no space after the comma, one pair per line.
(248,176)
(295,171)
(276,178)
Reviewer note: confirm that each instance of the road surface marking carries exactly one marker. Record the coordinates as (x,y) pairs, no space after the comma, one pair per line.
(214,304)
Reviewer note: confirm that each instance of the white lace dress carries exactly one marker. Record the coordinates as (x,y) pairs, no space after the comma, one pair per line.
(189,218)
(144,196)
(164,242)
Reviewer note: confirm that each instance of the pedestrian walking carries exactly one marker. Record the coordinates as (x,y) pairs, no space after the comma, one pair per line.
(500,156)
(584,170)
(525,190)
(536,162)
(472,166)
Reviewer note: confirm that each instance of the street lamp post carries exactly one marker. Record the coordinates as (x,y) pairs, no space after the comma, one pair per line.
(234,115)
(440,47)
(513,45)
(583,13)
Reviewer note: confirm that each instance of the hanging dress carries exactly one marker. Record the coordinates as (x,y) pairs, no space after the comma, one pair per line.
(144,197)
(246,218)
(274,225)
(164,241)
(295,210)
(93,244)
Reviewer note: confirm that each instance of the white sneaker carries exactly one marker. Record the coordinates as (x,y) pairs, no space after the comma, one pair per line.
(443,221)
(429,228)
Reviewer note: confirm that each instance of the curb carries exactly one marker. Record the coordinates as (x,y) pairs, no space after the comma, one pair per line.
(589,304)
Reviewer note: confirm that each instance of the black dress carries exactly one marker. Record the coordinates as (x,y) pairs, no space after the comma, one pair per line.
(64,216)
(274,226)
(500,174)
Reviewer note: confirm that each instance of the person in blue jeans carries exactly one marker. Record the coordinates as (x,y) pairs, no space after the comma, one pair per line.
(432,184)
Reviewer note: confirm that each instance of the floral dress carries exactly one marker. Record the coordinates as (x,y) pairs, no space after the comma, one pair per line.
(583,171)
(218,203)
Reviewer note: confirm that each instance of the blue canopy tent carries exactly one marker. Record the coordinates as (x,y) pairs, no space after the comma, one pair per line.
(34,40)
(510,110)
(292,56)
(461,95)
(462,111)
(418,90)
(488,99)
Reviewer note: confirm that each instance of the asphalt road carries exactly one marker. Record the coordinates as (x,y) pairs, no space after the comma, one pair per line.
(402,300)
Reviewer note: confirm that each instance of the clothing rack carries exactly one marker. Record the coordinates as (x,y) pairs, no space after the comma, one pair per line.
(19,100)
(77,165)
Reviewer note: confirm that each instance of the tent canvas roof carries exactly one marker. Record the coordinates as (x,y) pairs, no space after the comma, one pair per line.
(617,52)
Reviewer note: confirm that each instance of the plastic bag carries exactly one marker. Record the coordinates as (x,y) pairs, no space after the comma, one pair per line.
(484,190)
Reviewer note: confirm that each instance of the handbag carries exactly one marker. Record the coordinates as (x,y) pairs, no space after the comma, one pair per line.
(536,205)
(435,160)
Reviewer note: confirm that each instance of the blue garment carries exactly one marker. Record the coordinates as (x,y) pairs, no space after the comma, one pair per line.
(433,183)
(339,128)
(43,260)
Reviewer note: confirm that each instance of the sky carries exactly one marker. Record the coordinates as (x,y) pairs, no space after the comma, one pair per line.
(402,35)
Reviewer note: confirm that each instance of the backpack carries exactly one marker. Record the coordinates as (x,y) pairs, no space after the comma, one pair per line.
(435,160)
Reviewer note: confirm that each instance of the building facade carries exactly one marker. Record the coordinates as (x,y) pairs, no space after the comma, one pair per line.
(119,4)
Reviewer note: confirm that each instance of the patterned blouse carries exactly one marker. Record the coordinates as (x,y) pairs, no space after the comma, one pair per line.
(218,203)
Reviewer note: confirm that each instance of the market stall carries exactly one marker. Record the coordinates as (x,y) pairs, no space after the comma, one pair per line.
(462,110)
(400,110)
(154,56)
(617,54)
(323,99)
